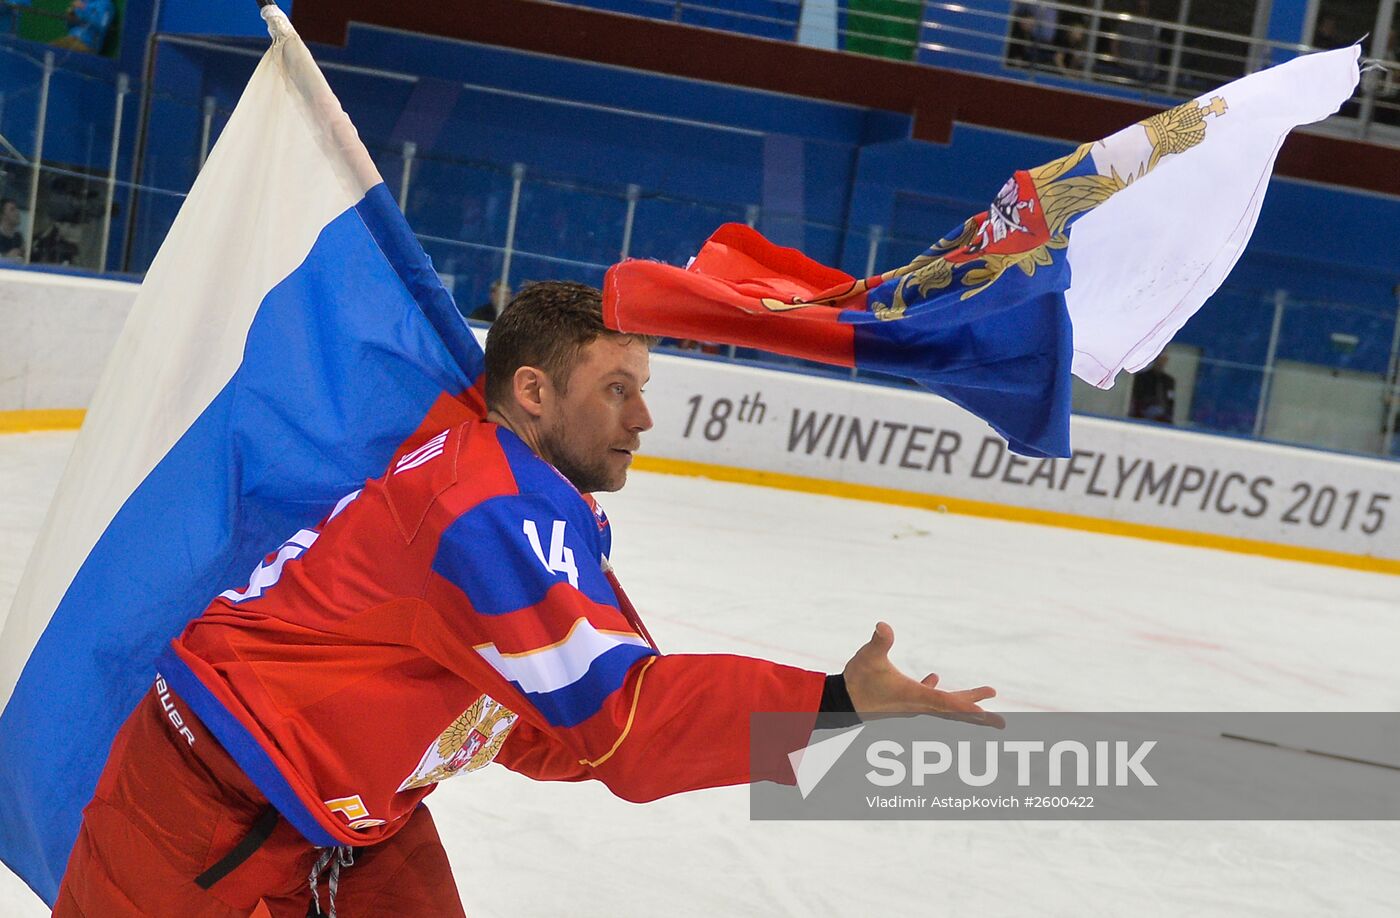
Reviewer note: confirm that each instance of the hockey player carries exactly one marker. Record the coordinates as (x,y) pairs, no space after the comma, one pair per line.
(457,611)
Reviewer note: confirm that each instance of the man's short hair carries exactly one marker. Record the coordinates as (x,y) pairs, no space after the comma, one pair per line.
(7,201)
(547,325)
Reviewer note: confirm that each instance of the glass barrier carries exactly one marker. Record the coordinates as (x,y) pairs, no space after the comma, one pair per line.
(571,226)
(63,206)
(461,213)
(671,229)
(1326,377)
(1253,363)
(21,82)
(1333,374)
(167,172)
(21,97)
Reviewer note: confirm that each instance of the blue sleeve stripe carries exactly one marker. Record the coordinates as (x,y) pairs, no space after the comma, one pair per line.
(573,704)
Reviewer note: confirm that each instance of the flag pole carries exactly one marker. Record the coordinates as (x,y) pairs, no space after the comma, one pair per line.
(278,25)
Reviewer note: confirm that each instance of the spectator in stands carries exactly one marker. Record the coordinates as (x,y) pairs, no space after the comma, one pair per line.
(54,247)
(11,239)
(1138,44)
(487,312)
(1045,24)
(1018,44)
(1326,34)
(88,22)
(1034,29)
(1074,46)
(1154,394)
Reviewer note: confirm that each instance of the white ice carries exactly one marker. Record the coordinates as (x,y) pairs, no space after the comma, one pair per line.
(1055,619)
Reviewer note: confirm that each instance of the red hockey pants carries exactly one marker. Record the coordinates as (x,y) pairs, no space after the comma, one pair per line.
(169,819)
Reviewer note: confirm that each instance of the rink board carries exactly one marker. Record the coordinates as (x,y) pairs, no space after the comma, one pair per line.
(908,447)
(58,331)
(834,436)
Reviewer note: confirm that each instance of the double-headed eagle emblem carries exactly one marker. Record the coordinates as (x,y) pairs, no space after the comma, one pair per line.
(1032,212)
(469,742)
(991,244)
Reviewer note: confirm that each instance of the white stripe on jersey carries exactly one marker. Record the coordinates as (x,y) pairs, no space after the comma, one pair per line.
(269,572)
(557,665)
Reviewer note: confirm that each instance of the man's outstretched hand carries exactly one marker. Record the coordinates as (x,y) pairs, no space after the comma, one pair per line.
(877,687)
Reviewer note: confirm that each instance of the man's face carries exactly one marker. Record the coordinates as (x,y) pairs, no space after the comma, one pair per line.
(590,431)
(10,215)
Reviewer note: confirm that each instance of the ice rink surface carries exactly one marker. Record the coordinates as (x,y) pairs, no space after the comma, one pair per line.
(1055,619)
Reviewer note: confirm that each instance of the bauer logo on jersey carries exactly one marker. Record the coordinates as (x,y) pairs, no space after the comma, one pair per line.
(423,454)
(469,742)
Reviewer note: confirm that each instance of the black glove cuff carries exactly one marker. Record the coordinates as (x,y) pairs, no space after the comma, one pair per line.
(836,709)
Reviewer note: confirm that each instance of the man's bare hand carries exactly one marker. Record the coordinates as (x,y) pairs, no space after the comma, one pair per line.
(877,687)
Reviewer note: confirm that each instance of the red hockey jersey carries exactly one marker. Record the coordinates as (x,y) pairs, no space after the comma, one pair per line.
(455,612)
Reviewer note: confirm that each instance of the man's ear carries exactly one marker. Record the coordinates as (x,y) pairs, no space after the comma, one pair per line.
(529,387)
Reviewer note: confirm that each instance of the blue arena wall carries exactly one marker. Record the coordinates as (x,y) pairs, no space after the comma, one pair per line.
(704,153)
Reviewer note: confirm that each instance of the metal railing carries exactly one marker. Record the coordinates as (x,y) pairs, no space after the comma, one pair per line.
(491,226)
(1090,44)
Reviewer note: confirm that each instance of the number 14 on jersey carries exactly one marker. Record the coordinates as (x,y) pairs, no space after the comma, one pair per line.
(561,557)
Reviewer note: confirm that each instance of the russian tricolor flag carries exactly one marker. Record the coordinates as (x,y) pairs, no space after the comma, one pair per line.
(997,315)
(289,336)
